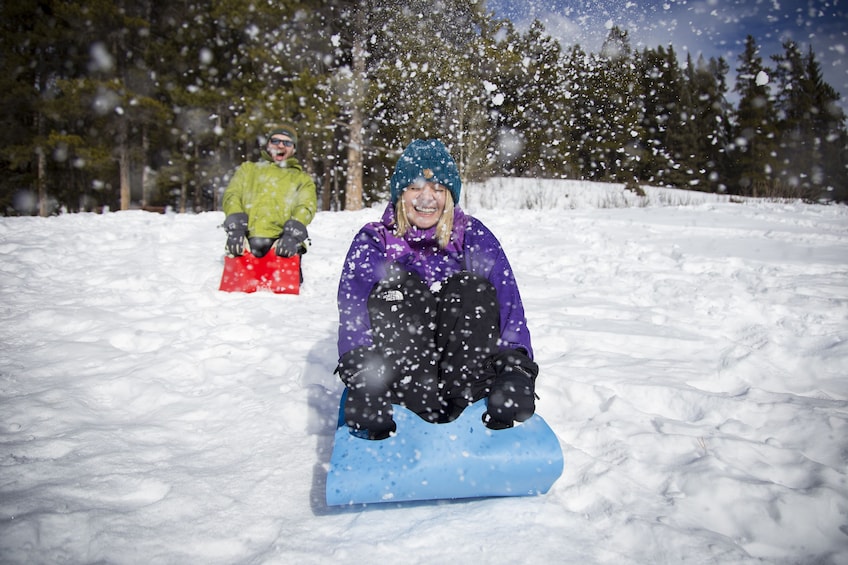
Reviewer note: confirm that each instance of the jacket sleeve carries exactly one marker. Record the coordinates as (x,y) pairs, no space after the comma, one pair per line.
(306,201)
(486,257)
(364,266)
(233,201)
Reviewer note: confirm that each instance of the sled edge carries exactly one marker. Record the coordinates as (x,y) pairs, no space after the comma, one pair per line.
(460,459)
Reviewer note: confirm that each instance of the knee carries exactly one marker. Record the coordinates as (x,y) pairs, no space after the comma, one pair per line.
(400,279)
(466,283)
(400,291)
(467,294)
(259,246)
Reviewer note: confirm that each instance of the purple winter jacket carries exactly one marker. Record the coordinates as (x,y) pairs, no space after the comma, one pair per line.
(472,248)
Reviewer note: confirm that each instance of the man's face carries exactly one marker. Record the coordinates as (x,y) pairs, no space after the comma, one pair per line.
(280,147)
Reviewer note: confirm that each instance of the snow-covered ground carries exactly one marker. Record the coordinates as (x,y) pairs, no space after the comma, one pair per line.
(694,364)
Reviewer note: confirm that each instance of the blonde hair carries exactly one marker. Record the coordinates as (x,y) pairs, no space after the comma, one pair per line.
(444,227)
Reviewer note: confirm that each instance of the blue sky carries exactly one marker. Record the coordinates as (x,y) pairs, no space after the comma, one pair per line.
(709,27)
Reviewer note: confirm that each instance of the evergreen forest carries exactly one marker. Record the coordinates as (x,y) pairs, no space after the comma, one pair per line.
(119,104)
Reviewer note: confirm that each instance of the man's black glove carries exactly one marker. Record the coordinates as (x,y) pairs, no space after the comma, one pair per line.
(368,408)
(236,226)
(291,240)
(512,396)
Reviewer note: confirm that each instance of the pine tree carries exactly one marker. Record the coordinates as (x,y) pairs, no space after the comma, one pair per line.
(116,104)
(578,69)
(667,120)
(711,120)
(239,68)
(754,154)
(799,155)
(619,148)
(829,131)
(812,126)
(346,27)
(28,62)
(532,118)
(683,135)
(424,67)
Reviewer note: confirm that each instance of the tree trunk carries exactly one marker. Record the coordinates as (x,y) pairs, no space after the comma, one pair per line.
(40,167)
(336,198)
(41,181)
(145,169)
(353,186)
(183,194)
(198,185)
(326,185)
(124,165)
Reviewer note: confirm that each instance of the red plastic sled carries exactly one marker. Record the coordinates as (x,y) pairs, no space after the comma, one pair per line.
(248,273)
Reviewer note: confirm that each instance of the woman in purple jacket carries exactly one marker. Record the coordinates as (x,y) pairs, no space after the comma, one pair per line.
(430,316)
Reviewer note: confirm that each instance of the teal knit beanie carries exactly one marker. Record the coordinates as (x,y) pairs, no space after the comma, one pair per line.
(429,161)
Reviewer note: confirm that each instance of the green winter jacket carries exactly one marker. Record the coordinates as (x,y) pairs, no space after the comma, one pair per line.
(271,195)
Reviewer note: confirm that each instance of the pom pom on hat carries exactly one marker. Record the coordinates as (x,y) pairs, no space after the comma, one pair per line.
(427,161)
(283,129)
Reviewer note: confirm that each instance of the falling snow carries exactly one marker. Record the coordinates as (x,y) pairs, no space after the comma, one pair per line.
(692,352)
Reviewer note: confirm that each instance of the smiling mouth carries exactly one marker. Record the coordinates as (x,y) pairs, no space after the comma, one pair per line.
(424,209)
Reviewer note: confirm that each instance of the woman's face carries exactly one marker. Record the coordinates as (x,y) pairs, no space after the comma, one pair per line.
(424,204)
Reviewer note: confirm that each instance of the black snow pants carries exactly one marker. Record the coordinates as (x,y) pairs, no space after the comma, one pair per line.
(436,342)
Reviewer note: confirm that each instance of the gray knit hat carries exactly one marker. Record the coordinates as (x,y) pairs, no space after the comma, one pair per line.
(284,129)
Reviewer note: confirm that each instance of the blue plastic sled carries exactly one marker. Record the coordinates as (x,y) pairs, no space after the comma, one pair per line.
(460,459)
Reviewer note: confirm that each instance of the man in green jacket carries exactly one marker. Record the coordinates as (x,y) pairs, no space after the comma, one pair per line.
(270,202)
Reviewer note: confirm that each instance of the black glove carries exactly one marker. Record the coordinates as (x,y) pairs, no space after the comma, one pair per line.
(291,240)
(368,408)
(236,226)
(512,394)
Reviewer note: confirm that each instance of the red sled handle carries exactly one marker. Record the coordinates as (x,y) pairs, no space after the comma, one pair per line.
(280,275)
